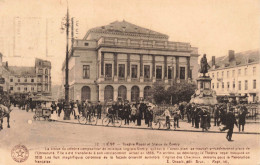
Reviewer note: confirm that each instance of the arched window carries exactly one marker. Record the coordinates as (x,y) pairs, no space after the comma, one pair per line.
(147,92)
(85,93)
(122,92)
(109,93)
(135,92)
(46,71)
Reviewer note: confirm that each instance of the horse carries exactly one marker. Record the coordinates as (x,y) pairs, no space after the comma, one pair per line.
(4,112)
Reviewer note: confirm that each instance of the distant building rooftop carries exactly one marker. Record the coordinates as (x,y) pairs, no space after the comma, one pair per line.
(22,70)
(124,27)
(238,59)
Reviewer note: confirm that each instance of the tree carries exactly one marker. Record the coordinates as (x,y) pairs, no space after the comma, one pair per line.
(176,93)
(160,95)
(181,92)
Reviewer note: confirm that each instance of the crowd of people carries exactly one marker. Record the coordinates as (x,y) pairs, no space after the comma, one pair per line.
(198,115)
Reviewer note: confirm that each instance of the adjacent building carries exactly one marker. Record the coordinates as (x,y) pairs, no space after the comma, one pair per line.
(236,75)
(123,60)
(21,80)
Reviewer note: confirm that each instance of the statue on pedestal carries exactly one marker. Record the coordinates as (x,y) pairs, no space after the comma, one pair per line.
(204,66)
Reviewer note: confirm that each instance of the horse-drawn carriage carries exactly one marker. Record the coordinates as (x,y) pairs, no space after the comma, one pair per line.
(42,109)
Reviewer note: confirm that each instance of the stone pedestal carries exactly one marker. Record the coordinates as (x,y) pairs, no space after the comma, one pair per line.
(204,95)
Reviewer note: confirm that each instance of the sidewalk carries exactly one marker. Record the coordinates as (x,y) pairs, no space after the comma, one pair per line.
(252,128)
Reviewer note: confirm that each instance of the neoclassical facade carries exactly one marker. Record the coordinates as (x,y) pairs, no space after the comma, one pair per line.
(123,60)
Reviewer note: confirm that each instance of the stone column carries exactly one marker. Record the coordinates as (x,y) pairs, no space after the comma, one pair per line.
(141,69)
(188,68)
(101,93)
(128,93)
(115,93)
(102,64)
(177,69)
(165,70)
(115,67)
(128,68)
(153,68)
(141,91)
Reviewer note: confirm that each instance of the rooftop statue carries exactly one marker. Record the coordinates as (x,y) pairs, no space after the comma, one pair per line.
(204,66)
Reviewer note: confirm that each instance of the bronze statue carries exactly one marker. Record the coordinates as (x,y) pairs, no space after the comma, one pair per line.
(204,66)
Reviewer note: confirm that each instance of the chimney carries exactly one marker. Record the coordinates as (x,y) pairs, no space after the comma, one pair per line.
(231,55)
(213,61)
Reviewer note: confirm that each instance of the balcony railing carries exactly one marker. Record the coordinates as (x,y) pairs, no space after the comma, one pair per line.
(177,46)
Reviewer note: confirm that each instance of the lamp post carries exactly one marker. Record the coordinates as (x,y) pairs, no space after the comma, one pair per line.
(66,25)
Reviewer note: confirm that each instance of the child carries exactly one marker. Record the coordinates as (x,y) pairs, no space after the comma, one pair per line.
(167,115)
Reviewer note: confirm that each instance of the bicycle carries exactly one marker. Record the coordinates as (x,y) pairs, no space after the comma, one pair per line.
(108,119)
(92,120)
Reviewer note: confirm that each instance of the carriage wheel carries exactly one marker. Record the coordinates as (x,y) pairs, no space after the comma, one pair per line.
(82,120)
(105,121)
(118,122)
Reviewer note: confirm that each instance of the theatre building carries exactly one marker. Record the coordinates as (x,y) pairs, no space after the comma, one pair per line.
(123,60)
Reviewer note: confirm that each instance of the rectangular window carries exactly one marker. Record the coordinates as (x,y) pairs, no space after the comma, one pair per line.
(217,75)
(239,85)
(245,71)
(18,88)
(11,88)
(239,72)
(246,85)
(134,71)
(217,85)
(213,75)
(254,84)
(18,80)
(182,72)
(233,73)
(121,70)
(227,74)
(228,85)
(25,80)
(11,80)
(223,85)
(86,71)
(32,88)
(32,80)
(234,84)
(254,70)
(158,72)
(25,88)
(222,74)
(169,72)
(213,86)
(147,71)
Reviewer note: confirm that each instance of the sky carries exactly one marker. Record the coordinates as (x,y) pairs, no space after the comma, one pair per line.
(31,28)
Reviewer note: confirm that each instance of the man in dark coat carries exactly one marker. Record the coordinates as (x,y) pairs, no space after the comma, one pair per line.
(60,107)
(99,109)
(197,117)
(127,112)
(181,108)
(192,114)
(242,118)
(188,112)
(203,115)
(216,115)
(230,121)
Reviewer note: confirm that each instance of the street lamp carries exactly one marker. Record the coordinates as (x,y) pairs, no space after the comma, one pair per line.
(65,26)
